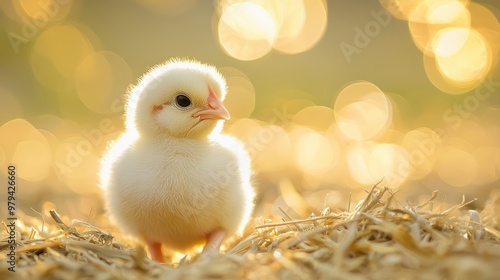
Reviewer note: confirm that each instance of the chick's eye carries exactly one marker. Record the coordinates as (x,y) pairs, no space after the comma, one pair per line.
(182,101)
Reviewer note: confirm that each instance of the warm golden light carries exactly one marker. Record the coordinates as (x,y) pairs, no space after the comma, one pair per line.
(370,162)
(272,147)
(291,19)
(61,128)
(471,62)
(476,133)
(305,35)
(316,117)
(292,198)
(240,100)
(18,130)
(422,145)
(43,11)
(430,17)
(3,160)
(455,37)
(487,24)
(26,147)
(317,135)
(101,79)
(456,167)
(34,158)
(246,31)
(81,178)
(249,29)
(390,162)
(314,153)
(358,158)
(401,9)
(56,54)
(244,127)
(361,120)
(52,140)
(450,41)
(446,12)
(362,111)
(487,159)
(268,145)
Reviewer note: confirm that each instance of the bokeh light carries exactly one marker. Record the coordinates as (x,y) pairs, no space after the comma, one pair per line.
(309,20)
(429,17)
(314,153)
(17,130)
(250,29)
(56,54)
(35,158)
(42,12)
(358,158)
(61,128)
(316,117)
(401,9)
(457,38)
(422,145)
(292,198)
(362,111)
(246,31)
(488,25)
(76,164)
(456,167)
(101,79)
(241,98)
(275,155)
(470,63)
(370,162)
(487,159)
(269,145)
(25,146)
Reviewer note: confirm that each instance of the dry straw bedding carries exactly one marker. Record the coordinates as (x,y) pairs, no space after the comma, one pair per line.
(380,238)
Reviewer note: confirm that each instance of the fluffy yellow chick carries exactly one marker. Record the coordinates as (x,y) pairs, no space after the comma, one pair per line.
(172,178)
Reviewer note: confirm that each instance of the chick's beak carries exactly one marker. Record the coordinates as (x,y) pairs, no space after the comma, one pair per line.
(215,109)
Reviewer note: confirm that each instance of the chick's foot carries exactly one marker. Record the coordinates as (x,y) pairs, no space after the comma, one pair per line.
(155,251)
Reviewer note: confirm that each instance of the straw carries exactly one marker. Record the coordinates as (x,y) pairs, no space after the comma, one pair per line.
(380,238)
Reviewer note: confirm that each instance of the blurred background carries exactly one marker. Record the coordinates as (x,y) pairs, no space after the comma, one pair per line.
(329,97)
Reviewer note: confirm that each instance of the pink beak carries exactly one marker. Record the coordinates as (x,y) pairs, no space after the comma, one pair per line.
(215,110)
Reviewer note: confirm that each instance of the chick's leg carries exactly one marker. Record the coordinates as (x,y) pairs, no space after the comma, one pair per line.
(155,251)
(214,241)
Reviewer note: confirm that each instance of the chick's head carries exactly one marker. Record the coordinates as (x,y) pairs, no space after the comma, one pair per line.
(178,99)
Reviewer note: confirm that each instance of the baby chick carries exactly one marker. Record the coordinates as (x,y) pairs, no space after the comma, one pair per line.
(172,178)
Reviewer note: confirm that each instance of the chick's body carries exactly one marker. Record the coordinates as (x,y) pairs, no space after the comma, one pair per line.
(172,178)
(179,191)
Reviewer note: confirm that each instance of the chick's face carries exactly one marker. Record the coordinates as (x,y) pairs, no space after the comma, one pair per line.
(185,102)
